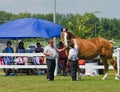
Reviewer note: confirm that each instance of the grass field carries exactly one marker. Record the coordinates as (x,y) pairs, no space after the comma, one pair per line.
(60,84)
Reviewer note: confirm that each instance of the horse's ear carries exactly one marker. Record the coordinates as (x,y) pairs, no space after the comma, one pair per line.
(66,30)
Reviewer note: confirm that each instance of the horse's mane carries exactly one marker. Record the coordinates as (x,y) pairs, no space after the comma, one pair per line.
(72,35)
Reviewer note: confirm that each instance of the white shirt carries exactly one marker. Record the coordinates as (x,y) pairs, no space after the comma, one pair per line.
(49,49)
(73,52)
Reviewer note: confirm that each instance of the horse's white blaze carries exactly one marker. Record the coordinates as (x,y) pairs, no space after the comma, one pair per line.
(65,39)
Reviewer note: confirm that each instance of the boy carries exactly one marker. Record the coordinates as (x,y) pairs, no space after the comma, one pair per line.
(73,58)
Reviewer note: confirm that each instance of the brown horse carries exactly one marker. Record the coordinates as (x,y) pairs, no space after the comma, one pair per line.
(91,48)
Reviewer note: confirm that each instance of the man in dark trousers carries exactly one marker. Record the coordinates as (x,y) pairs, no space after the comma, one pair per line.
(51,54)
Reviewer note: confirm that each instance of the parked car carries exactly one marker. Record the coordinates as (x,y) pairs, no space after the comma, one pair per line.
(30,48)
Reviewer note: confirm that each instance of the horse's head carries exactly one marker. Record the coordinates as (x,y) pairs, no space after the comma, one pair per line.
(65,37)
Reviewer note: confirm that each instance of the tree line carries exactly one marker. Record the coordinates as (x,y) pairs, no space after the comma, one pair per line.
(85,26)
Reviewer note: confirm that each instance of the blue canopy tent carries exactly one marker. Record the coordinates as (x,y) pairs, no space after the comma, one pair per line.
(29,28)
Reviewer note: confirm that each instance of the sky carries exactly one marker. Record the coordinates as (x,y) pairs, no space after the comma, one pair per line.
(106,8)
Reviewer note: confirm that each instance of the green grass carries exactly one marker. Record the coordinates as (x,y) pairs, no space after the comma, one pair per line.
(60,84)
(117,43)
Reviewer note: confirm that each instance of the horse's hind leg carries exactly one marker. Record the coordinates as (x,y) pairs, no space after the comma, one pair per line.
(105,69)
(113,62)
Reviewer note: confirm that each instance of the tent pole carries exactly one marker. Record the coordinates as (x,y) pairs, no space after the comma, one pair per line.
(54,20)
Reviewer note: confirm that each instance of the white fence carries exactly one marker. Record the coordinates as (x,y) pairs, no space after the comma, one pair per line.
(116,54)
(26,64)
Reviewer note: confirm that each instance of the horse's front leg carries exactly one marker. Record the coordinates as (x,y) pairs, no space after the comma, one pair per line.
(105,69)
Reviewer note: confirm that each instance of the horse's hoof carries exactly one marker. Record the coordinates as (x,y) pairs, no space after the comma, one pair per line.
(78,78)
(103,78)
(116,78)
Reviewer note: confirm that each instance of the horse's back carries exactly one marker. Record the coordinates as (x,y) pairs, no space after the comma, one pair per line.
(91,48)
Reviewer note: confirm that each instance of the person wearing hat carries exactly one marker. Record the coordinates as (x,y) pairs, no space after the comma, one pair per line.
(50,51)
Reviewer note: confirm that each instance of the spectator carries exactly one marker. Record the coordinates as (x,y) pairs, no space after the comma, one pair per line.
(9,49)
(8,59)
(20,60)
(20,48)
(38,49)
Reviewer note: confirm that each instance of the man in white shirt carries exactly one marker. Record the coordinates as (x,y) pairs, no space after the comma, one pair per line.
(51,53)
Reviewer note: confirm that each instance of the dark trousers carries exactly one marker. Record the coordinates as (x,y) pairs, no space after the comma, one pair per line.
(65,62)
(50,68)
(73,68)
